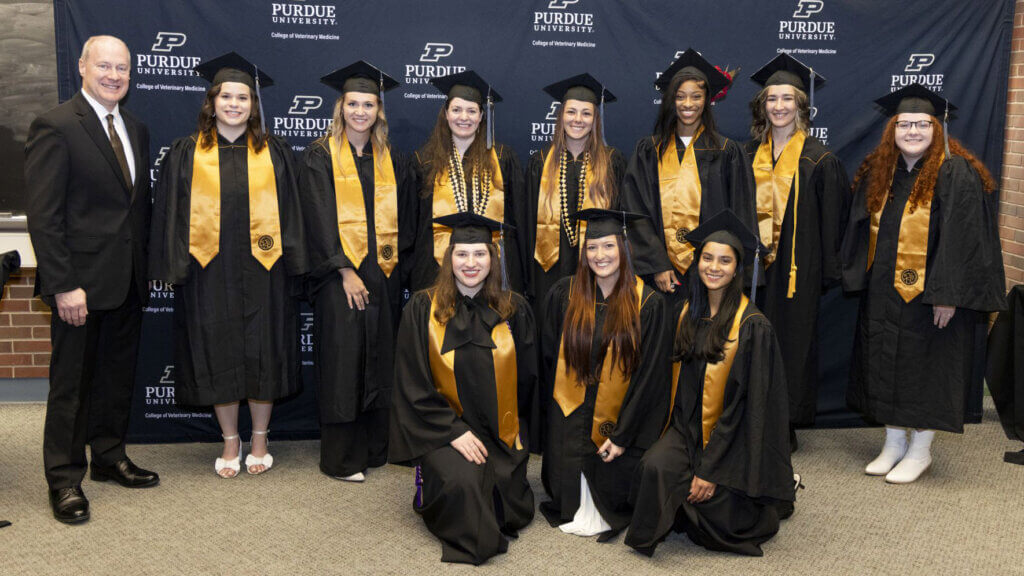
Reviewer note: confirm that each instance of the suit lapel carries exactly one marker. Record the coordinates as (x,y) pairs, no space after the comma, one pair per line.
(96,131)
(133,135)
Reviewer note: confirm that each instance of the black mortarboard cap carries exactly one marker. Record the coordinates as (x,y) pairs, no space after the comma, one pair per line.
(602,222)
(692,62)
(915,99)
(583,87)
(231,67)
(784,69)
(467,85)
(360,76)
(726,228)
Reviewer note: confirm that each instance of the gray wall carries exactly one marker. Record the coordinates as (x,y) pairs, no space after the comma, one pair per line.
(28,86)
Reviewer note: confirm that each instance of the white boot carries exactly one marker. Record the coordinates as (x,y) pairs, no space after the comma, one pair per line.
(917,460)
(892,452)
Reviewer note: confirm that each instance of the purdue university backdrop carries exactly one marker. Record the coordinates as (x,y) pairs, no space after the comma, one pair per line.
(864,48)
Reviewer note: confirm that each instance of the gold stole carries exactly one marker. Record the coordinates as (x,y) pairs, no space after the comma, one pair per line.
(549,218)
(444,204)
(911,248)
(348,198)
(442,366)
(679,186)
(611,388)
(204,205)
(773,184)
(715,375)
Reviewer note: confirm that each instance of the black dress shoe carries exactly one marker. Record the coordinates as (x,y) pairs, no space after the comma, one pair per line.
(69,505)
(125,473)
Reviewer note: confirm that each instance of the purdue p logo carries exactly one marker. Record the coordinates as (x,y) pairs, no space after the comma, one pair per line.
(807,8)
(167,41)
(919,62)
(434,51)
(302,104)
(560,4)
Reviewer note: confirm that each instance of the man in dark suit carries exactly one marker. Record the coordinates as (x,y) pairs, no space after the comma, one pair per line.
(87,176)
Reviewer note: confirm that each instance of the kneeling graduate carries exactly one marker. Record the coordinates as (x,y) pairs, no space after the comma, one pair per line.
(606,357)
(467,360)
(721,472)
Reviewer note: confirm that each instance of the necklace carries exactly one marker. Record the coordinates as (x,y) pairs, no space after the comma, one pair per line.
(481,193)
(571,232)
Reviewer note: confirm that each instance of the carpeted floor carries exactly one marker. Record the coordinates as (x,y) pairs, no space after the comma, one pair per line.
(966,516)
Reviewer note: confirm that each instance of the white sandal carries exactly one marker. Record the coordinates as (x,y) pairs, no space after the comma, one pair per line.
(234,464)
(266,461)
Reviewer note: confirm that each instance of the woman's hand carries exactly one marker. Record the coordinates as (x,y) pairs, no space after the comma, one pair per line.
(665,281)
(610,451)
(700,491)
(471,448)
(942,315)
(355,291)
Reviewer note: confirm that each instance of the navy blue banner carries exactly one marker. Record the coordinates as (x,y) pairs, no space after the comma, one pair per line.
(865,49)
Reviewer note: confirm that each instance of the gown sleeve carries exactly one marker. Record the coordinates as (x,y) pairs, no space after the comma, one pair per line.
(854,248)
(749,448)
(408,190)
(168,238)
(515,213)
(832,186)
(555,304)
(967,268)
(640,194)
(421,418)
(424,267)
(524,331)
(741,195)
(645,406)
(316,184)
(534,168)
(293,235)
(618,174)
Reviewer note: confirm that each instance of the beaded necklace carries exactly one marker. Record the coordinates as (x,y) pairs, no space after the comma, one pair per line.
(481,193)
(571,232)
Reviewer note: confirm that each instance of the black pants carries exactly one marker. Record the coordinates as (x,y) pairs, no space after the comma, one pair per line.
(92,375)
(350,447)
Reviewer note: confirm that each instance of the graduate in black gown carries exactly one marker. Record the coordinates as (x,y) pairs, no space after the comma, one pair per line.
(468,360)
(1004,372)
(684,173)
(488,178)
(579,170)
(606,357)
(922,243)
(803,200)
(227,233)
(721,473)
(359,204)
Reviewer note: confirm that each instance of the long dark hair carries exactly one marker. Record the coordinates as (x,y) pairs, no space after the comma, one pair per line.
(711,348)
(668,118)
(439,145)
(605,188)
(207,124)
(621,326)
(445,291)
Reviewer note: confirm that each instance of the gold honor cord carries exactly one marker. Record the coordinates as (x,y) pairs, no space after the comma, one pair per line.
(611,391)
(506,377)
(546,251)
(348,197)
(680,191)
(773,185)
(204,206)
(444,203)
(911,248)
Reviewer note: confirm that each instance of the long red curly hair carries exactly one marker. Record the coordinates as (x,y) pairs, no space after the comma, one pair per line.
(879,165)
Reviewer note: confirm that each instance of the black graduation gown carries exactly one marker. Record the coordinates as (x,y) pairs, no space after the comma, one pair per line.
(539,282)
(569,449)
(906,371)
(726,181)
(1005,365)
(236,325)
(470,508)
(824,208)
(425,268)
(355,349)
(747,456)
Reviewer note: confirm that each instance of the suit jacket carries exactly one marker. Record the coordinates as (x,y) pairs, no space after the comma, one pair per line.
(89,229)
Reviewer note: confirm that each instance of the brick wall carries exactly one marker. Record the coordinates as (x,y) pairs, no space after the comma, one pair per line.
(1011,207)
(24,330)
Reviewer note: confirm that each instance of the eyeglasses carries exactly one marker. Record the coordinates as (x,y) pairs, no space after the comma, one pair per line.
(921,125)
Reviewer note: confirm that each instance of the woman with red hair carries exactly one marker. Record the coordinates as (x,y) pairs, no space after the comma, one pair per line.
(922,244)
